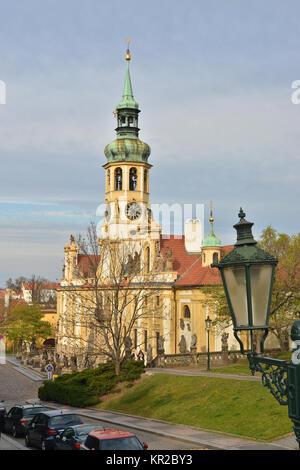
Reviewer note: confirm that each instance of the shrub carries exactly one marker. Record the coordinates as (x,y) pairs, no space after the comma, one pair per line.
(84,388)
(67,395)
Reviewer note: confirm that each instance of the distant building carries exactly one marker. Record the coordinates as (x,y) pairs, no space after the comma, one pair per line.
(44,294)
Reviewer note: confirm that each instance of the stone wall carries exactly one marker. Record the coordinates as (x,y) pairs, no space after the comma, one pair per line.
(217,359)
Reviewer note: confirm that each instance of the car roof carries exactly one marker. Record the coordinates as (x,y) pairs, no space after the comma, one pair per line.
(59,412)
(83,425)
(24,407)
(110,434)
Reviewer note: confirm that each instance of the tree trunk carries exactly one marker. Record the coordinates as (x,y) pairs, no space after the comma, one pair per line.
(117,368)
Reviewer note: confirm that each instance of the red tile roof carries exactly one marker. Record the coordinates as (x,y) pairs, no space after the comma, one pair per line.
(85,261)
(189,266)
(42,285)
(181,259)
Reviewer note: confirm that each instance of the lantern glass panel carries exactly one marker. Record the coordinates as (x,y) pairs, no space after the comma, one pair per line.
(235,278)
(260,278)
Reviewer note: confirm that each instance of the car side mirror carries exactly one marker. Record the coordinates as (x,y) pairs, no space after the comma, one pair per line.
(145,445)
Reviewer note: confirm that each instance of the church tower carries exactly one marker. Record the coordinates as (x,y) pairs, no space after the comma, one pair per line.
(128,213)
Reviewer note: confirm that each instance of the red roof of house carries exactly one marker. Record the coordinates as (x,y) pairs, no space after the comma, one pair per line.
(181,259)
(42,285)
(85,261)
(189,266)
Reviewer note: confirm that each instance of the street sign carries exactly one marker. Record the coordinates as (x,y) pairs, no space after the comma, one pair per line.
(49,369)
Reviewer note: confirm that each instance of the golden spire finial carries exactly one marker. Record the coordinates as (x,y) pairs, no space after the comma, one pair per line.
(211,219)
(128,56)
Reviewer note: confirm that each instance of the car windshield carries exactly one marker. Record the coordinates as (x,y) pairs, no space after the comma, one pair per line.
(64,420)
(84,430)
(33,411)
(123,443)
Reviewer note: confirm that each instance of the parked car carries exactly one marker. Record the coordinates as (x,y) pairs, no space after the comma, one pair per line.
(2,415)
(18,418)
(44,427)
(73,437)
(112,439)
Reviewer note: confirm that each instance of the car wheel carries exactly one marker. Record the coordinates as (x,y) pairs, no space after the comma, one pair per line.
(27,441)
(14,431)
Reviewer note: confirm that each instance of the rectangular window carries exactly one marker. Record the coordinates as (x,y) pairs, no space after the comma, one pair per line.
(157,337)
(157,300)
(135,339)
(146,339)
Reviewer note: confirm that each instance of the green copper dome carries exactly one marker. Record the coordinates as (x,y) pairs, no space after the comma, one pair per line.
(127,146)
(131,150)
(211,239)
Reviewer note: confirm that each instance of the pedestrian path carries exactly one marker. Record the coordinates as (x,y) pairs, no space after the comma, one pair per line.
(189,434)
(198,373)
(30,373)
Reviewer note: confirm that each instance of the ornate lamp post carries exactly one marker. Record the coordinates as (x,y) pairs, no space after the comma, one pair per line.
(207,328)
(247,275)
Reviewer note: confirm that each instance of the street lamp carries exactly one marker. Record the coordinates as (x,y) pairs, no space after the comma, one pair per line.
(247,274)
(208,322)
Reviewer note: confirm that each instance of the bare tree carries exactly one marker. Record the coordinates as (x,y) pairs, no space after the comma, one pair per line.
(36,287)
(113,294)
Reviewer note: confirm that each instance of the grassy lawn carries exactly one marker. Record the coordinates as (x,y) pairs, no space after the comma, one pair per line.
(242,368)
(230,406)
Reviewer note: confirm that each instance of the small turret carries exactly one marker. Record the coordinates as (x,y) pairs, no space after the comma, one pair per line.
(71,260)
(211,249)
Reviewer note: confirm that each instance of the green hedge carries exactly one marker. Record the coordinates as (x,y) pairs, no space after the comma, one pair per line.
(86,387)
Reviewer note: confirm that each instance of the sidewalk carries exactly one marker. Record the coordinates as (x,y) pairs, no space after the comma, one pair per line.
(191,435)
(28,371)
(6,443)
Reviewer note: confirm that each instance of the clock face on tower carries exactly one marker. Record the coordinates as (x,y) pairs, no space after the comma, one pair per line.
(133,211)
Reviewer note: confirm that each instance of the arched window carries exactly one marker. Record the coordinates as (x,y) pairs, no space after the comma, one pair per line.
(147,261)
(108,180)
(118,179)
(132,179)
(186,312)
(145,180)
(203,257)
(215,258)
(130,120)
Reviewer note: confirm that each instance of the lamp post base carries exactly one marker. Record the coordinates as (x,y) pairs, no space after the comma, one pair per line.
(297,431)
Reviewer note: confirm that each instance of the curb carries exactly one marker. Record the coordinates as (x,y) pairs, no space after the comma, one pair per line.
(12,442)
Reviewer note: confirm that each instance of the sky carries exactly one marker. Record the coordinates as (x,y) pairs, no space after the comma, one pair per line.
(214,83)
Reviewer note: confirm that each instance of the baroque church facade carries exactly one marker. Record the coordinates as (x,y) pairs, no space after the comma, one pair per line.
(177,269)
